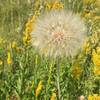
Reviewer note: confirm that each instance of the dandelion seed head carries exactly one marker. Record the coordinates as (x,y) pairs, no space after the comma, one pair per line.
(58,33)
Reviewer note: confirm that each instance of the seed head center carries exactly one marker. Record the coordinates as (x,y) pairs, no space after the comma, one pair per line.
(57,36)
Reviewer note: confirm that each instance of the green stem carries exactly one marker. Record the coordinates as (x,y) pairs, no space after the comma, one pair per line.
(58,80)
(49,79)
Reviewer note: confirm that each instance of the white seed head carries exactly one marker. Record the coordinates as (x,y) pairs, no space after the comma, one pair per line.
(58,33)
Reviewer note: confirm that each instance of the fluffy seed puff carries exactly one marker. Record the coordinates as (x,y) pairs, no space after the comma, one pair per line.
(58,33)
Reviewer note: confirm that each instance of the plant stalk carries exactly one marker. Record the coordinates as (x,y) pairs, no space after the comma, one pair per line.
(58,80)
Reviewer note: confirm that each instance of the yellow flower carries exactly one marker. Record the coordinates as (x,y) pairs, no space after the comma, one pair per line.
(9,59)
(33,19)
(54,5)
(96,57)
(37,4)
(94,38)
(14,45)
(98,98)
(94,97)
(48,6)
(29,25)
(98,50)
(96,70)
(53,97)
(29,28)
(1,62)
(37,13)
(90,97)
(86,14)
(57,5)
(39,88)
(26,39)
(86,46)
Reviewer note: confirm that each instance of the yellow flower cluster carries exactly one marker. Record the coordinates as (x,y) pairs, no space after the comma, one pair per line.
(96,61)
(86,46)
(30,23)
(39,88)
(9,58)
(29,28)
(54,5)
(90,42)
(37,4)
(14,45)
(94,38)
(1,62)
(91,13)
(53,97)
(94,97)
(96,70)
(96,56)
(86,14)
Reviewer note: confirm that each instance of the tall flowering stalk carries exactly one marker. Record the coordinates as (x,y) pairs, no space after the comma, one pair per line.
(57,34)
(9,58)
(38,89)
(29,28)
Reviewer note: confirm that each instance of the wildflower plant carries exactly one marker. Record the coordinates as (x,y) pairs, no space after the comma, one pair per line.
(62,35)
